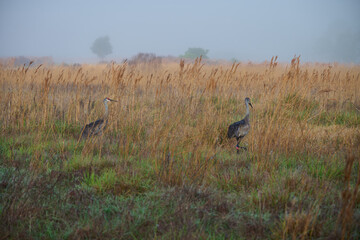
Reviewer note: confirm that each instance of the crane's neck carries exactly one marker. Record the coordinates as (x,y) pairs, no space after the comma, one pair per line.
(106,109)
(247,109)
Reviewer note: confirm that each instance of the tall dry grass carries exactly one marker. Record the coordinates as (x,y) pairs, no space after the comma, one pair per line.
(187,108)
(174,117)
(186,103)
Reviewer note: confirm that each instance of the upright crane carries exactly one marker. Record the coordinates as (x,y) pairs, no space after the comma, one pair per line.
(241,128)
(97,127)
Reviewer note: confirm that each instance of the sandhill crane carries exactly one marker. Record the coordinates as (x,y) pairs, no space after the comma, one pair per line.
(241,128)
(97,127)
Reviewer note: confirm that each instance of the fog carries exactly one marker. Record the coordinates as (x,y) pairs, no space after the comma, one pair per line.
(322,30)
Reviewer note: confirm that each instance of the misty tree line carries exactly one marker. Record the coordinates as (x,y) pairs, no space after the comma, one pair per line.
(21,61)
(102,47)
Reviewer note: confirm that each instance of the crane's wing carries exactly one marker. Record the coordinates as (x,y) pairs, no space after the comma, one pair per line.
(243,130)
(233,129)
(93,128)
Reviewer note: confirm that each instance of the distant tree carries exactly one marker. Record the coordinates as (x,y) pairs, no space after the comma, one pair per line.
(193,53)
(102,47)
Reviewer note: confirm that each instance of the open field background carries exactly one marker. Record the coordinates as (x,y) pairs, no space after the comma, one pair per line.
(164,168)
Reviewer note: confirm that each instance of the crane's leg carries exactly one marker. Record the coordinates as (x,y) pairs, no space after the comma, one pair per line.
(238,146)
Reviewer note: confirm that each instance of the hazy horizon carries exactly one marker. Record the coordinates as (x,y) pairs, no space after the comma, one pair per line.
(321,31)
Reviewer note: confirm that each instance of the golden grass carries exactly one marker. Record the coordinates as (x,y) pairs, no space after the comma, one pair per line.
(190,105)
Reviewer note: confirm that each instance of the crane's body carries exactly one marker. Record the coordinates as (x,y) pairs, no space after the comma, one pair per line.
(241,128)
(97,127)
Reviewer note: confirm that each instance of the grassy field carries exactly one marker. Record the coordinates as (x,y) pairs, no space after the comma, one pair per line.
(164,169)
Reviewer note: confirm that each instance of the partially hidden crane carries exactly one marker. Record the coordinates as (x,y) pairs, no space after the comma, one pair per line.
(97,127)
(241,128)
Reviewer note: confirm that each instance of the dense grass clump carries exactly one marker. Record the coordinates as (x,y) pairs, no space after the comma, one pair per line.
(164,168)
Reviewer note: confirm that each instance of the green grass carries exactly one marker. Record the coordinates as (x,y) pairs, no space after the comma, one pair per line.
(111,190)
(103,182)
(348,118)
(168,212)
(303,109)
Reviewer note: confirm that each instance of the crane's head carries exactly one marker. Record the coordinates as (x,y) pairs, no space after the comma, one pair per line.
(108,100)
(247,101)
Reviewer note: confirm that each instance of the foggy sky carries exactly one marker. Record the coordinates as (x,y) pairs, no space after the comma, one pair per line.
(320,30)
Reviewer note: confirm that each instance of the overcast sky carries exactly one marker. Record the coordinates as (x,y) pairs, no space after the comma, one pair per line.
(318,30)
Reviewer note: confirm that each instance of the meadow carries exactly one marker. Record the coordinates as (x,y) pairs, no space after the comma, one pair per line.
(164,168)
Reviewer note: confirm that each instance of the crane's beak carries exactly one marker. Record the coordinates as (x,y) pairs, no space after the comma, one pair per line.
(112,100)
(250,104)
